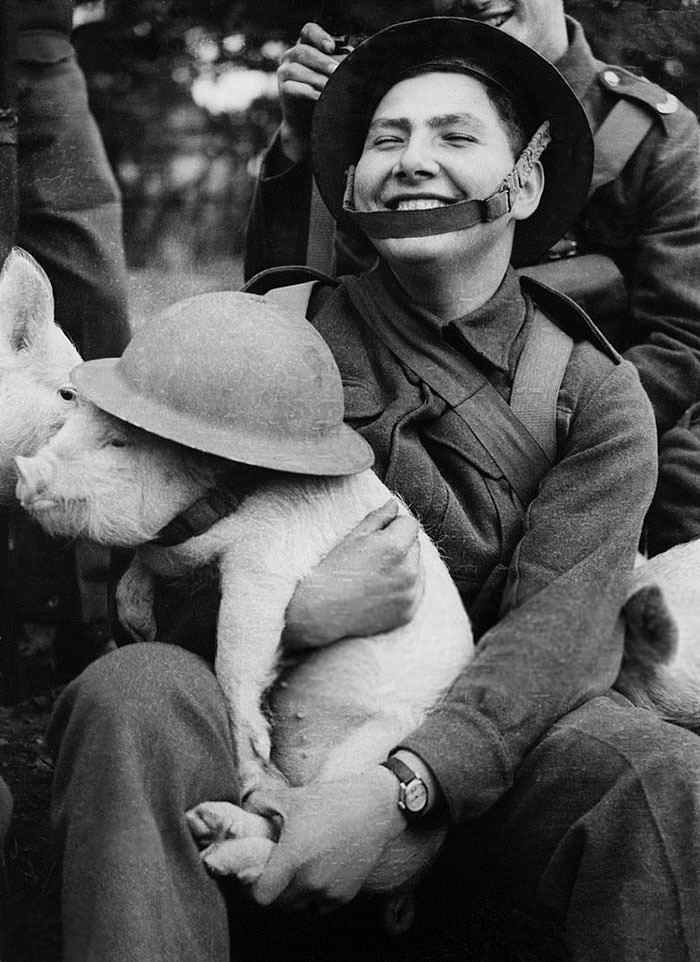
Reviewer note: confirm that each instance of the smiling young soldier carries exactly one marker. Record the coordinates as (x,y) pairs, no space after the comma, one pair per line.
(641,222)
(563,799)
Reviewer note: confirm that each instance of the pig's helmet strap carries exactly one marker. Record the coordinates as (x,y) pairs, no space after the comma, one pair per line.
(216,504)
(380,224)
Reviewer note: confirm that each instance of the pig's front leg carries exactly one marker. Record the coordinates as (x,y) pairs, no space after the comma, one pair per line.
(134,597)
(233,842)
(251,619)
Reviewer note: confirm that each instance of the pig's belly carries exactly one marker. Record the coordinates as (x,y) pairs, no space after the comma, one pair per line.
(317,706)
(321,701)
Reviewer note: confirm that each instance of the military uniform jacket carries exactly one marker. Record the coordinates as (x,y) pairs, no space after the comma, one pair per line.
(558,566)
(647,219)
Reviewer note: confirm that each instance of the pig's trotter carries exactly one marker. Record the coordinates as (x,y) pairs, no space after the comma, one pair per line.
(243,857)
(217,821)
(237,842)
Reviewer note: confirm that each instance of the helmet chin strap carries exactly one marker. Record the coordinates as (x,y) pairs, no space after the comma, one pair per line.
(380,224)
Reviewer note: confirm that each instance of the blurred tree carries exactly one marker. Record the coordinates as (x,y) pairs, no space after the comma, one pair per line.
(185,94)
(657,38)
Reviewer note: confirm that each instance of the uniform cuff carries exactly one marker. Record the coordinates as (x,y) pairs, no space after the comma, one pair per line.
(468,759)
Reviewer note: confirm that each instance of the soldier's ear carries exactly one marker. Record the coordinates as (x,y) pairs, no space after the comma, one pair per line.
(528,199)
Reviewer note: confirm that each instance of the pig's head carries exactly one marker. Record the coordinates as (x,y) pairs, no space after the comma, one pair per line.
(101,479)
(36,358)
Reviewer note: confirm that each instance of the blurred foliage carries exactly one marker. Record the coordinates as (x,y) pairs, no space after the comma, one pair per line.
(184,93)
(657,38)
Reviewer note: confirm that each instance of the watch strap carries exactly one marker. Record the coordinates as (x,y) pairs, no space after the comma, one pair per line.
(404,774)
(407,777)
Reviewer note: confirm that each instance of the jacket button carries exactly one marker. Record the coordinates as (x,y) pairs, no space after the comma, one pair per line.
(611,78)
(669,105)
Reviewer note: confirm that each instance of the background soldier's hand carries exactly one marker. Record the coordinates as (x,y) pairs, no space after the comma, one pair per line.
(301,77)
(371,582)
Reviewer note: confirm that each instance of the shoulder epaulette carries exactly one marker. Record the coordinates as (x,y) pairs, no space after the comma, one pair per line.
(649,95)
(566,314)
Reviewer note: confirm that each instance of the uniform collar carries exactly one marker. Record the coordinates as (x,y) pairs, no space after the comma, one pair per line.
(488,332)
(578,65)
(491,330)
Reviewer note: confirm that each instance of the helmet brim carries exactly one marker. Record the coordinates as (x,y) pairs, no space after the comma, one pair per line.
(341,114)
(341,451)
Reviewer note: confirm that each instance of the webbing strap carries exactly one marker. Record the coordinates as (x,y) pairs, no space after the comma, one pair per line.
(541,368)
(616,140)
(520,439)
(501,434)
(320,244)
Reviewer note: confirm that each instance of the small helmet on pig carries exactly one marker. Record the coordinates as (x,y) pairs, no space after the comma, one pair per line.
(233,375)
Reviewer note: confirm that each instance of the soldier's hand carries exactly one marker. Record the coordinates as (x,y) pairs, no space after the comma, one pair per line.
(331,839)
(372,581)
(301,77)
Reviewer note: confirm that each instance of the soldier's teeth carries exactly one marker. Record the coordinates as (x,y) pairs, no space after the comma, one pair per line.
(420,203)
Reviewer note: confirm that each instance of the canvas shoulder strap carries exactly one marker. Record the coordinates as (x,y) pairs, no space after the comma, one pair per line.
(540,371)
(320,244)
(285,278)
(520,437)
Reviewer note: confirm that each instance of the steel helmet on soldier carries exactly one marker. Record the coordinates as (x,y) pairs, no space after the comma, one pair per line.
(233,375)
(541,96)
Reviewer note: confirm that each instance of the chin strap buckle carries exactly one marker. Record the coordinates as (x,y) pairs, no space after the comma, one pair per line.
(520,174)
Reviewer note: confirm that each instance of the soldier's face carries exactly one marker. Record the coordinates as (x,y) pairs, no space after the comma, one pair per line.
(434,139)
(538,23)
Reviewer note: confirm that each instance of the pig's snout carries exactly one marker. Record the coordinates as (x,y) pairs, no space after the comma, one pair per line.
(33,478)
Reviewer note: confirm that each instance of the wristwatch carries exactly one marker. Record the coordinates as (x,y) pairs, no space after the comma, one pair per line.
(413,792)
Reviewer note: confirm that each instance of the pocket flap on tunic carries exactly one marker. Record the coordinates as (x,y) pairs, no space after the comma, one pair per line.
(361,401)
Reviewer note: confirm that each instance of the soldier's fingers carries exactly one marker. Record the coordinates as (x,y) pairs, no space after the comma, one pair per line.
(298,91)
(378,519)
(401,536)
(314,35)
(309,57)
(297,73)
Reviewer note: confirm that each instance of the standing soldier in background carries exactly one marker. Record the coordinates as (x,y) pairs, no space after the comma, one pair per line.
(69,203)
(643,215)
(68,215)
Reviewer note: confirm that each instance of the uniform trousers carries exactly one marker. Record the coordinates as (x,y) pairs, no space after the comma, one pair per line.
(598,837)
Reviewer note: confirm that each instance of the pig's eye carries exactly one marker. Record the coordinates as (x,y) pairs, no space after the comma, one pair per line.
(67,393)
(118,443)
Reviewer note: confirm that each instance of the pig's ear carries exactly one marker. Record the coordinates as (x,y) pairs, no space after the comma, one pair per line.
(26,300)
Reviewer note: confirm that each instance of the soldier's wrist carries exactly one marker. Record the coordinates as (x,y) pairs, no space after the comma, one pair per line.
(429,787)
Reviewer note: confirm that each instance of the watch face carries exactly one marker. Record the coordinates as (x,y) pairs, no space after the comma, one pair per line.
(416,795)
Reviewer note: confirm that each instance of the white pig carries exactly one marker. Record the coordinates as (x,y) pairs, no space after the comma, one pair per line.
(36,359)
(343,707)
(661,665)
